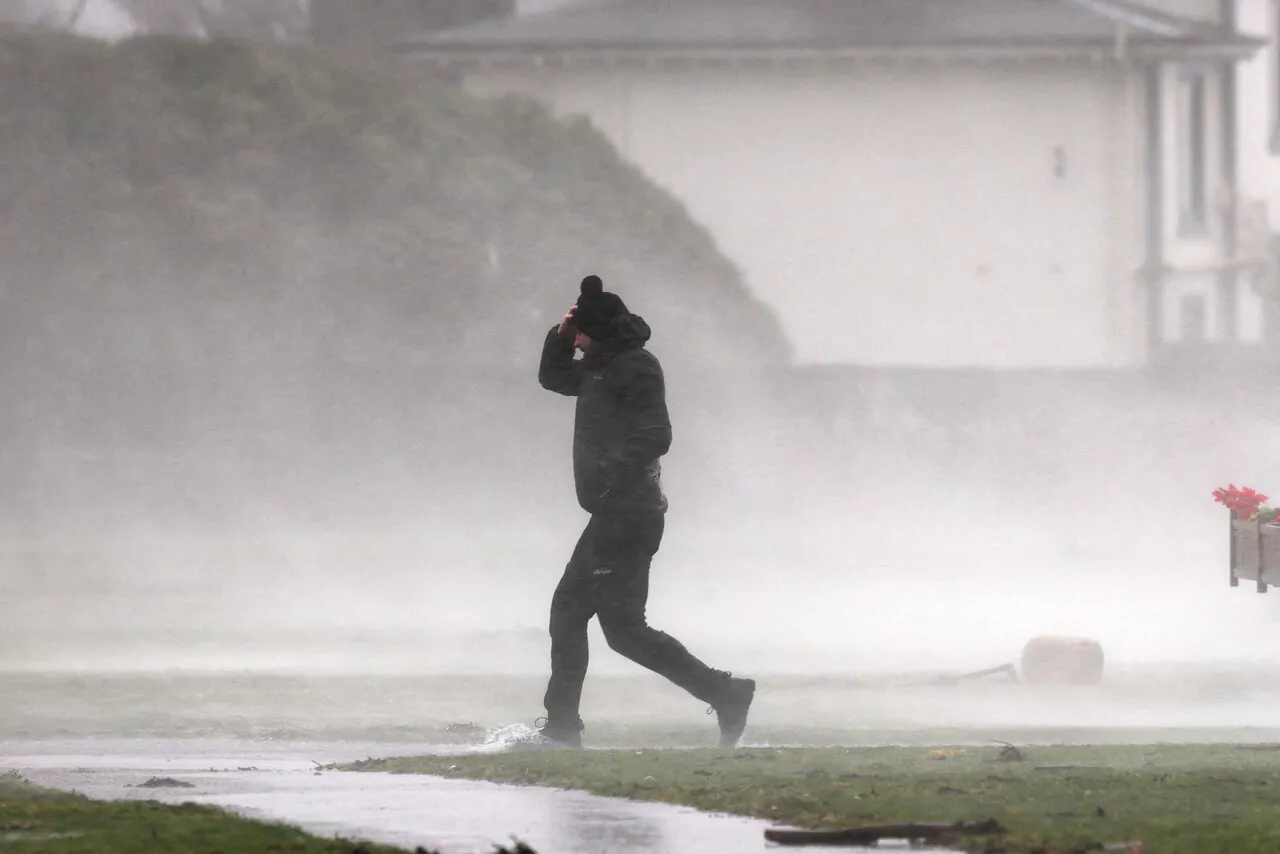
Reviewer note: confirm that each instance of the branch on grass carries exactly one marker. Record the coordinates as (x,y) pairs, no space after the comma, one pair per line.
(1003,670)
(1007,670)
(1009,753)
(872,834)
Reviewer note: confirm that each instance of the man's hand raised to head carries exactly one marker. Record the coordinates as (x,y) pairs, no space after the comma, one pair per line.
(566,325)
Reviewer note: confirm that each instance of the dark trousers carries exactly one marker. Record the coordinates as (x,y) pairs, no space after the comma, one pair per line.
(608,577)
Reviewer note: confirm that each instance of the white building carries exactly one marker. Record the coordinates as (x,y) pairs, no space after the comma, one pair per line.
(1259,108)
(1258,145)
(1252,114)
(987,183)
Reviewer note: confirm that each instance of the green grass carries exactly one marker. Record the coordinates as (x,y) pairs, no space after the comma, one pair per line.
(42,821)
(1186,799)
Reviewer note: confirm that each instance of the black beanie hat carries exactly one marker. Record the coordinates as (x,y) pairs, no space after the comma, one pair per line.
(597,309)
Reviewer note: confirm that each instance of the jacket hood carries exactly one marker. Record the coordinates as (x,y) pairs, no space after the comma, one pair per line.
(630,332)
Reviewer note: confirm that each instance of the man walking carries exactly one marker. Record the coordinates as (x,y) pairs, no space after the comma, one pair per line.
(620,430)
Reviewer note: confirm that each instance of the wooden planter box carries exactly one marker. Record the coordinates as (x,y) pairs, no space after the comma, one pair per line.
(1255,553)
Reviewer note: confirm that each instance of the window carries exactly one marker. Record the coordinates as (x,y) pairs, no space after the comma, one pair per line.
(1193,184)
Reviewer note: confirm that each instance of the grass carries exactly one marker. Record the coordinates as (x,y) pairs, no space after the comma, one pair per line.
(1185,799)
(42,821)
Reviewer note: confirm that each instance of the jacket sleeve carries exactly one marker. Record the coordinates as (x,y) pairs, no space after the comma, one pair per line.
(644,399)
(558,371)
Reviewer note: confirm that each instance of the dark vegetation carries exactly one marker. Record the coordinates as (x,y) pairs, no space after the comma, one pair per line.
(237,255)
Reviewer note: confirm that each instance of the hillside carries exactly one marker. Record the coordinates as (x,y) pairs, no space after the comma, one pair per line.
(198,203)
(227,263)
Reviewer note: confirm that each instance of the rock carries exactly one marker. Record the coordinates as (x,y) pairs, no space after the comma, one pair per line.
(165,783)
(1062,661)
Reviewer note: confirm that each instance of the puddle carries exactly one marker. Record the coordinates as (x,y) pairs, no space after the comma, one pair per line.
(452,816)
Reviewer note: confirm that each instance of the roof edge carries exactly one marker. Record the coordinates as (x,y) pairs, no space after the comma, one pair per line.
(1132,13)
(1121,49)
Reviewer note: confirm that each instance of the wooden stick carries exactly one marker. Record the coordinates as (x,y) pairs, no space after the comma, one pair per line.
(874,833)
(1007,669)
(1262,585)
(1235,562)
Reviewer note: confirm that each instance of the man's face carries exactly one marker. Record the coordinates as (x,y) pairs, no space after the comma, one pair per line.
(582,341)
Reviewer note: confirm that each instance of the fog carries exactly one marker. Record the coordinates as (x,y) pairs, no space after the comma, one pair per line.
(823,520)
(827,521)
(867,527)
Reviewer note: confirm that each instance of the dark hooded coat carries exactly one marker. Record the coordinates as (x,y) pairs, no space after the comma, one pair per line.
(621,427)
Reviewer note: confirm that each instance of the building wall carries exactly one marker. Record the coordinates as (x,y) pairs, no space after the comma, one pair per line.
(1260,167)
(1194,307)
(1205,10)
(1258,153)
(929,215)
(1202,298)
(1259,85)
(1237,311)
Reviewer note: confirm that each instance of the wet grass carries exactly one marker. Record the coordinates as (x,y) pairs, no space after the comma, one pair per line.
(633,711)
(39,820)
(1175,799)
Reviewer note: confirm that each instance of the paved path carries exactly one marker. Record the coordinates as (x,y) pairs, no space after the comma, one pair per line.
(454,816)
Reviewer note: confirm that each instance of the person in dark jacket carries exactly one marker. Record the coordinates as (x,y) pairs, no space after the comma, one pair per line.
(621,429)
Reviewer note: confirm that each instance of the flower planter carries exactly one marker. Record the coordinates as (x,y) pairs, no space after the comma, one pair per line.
(1255,553)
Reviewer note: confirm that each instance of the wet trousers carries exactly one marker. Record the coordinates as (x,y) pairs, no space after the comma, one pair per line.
(608,577)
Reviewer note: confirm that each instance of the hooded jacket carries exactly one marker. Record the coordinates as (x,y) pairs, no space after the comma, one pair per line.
(621,427)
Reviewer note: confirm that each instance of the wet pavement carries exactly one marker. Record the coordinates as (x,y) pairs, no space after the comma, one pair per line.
(284,783)
(252,742)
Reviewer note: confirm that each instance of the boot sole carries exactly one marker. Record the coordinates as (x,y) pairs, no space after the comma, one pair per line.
(725,743)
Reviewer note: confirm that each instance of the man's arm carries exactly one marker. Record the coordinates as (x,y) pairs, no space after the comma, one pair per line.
(558,371)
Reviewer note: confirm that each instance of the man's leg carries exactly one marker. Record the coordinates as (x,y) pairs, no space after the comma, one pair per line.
(624,550)
(571,610)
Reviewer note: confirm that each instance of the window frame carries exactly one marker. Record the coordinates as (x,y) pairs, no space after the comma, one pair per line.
(1191,150)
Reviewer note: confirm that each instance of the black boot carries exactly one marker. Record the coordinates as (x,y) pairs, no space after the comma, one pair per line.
(731,709)
(562,733)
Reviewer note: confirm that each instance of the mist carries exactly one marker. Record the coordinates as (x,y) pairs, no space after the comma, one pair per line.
(227,484)
(823,520)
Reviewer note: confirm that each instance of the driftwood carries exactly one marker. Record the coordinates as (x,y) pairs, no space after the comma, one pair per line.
(165,783)
(1004,669)
(872,834)
(1009,753)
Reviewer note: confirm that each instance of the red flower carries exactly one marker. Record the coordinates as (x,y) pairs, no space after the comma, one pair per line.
(1244,501)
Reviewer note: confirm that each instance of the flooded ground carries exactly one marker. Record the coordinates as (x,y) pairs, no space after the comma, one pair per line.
(449,816)
(253,741)
(105,691)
